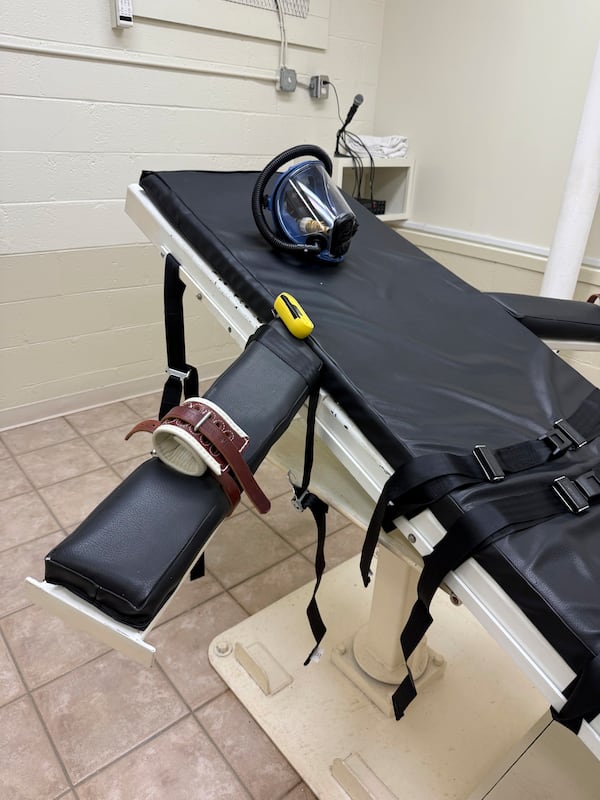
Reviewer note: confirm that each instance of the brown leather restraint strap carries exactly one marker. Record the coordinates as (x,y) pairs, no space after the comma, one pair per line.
(212,432)
(147,426)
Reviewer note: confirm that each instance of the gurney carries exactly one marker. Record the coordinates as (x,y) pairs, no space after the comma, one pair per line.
(414,368)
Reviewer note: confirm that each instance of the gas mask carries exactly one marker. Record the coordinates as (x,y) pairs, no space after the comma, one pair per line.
(309,213)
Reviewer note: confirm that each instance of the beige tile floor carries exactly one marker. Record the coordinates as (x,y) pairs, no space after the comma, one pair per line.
(78,721)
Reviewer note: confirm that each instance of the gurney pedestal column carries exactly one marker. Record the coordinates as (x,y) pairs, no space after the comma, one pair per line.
(373,660)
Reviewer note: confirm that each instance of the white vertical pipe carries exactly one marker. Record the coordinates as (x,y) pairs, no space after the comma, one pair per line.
(580,199)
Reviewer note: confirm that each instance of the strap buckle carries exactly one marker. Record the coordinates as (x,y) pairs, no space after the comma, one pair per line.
(176,373)
(573,493)
(298,500)
(562,437)
(488,462)
(589,483)
(201,422)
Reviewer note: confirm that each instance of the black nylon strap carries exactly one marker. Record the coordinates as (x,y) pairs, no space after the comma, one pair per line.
(173,291)
(305,499)
(523,455)
(583,697)
(199,569)
(309,445)
(470,532)
(451,471)
(319,510)
(587,417)
(424,479)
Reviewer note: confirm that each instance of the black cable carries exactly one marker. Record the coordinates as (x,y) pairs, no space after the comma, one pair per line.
(337,99)
(347,139)
(356,139)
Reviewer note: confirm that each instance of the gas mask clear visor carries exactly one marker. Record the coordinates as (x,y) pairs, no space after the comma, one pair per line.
(309,209)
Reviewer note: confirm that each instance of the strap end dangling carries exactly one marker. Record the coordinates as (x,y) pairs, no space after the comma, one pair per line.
(404,695)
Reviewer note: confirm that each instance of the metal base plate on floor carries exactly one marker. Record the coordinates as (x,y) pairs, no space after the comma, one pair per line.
(447,742)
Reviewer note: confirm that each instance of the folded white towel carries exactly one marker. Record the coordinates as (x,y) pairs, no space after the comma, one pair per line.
(381,146)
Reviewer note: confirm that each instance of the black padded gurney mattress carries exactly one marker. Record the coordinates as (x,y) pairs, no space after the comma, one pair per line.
(404,339)
(424,364)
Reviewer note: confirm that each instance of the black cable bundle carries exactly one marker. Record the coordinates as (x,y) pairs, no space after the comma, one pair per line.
(346,144)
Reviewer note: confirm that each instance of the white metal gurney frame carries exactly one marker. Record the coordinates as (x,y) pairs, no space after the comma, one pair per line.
(470,583)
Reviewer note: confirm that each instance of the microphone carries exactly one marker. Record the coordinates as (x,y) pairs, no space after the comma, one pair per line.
(358,100)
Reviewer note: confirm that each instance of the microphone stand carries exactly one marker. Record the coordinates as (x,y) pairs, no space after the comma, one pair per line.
(349,117)
(337,153)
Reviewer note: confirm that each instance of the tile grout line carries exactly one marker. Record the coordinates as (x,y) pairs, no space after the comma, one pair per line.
(216,746)
(191,711)
(38,495)
(51,740)
(59,529)
(17,668)
(231,767)
(133,749)
(204,704)
(62,675)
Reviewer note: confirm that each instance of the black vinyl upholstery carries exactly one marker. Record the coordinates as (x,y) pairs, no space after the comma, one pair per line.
(129,555)
(553,318)
(423,363)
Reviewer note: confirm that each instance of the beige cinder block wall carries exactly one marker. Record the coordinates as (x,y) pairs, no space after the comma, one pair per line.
(490,95)
(83,110)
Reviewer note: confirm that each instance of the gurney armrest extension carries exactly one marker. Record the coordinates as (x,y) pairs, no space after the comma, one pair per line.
(553,318)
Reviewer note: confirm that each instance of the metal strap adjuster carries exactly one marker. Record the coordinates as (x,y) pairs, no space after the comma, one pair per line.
(176,373)
(562,437)
(298,501)
(488,462)
(576,494)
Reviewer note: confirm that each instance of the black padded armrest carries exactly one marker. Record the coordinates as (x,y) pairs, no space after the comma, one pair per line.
(130,554)
(553,318)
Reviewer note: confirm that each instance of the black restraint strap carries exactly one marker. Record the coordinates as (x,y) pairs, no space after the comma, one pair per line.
(181,375)
(583,697)
(424,479)
(318,509)
(473,530)
(305,499)
(187,377)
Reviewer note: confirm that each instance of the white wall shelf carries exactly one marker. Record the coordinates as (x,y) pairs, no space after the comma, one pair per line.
(392,182)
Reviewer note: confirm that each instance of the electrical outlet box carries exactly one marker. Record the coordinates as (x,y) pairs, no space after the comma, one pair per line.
(121,13)
(287,80)
(319,87)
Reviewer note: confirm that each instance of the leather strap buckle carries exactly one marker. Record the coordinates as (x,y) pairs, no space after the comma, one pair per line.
(199,435)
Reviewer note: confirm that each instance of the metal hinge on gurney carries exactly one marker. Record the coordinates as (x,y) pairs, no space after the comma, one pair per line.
(198,435)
